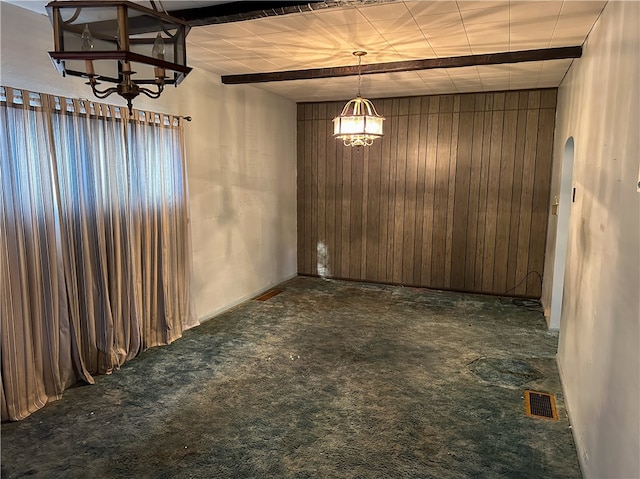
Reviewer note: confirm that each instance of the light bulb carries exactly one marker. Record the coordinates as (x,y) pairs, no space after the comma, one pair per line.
(87,46)
(87,39)
(158,48)
(158,52)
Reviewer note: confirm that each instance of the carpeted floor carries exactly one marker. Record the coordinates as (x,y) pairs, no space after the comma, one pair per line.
(328,379)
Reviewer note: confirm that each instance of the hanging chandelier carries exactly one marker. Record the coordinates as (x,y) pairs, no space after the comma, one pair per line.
(138,49)
(359,123)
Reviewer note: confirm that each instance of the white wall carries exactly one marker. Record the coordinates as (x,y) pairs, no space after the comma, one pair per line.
(241,157)
(243,193)
(599,104)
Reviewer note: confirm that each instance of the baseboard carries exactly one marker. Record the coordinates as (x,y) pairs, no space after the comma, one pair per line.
(212,314)
(582,454)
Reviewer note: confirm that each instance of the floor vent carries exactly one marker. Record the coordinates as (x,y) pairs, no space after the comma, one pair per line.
(540,405)
(268,295)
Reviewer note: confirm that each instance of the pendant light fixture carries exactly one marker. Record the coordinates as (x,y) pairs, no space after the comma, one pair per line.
(359,123)
(139,49)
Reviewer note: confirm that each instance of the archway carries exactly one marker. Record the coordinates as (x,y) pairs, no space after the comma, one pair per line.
(562,233)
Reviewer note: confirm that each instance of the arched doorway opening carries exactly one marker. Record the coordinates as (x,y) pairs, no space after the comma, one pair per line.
(562,233)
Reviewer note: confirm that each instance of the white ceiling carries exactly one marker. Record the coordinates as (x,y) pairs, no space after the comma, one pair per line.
(396,31)
(393,31)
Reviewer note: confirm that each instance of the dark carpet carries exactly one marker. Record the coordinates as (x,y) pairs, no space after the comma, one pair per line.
(328,379)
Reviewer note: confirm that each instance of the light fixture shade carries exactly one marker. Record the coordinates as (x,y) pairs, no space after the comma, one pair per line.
(358,124)
(118,42)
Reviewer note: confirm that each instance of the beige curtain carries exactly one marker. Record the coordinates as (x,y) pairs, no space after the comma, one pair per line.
(94,244)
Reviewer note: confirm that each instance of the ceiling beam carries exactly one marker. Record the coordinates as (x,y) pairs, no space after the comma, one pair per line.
(241,10)
(560,53)
(237,11)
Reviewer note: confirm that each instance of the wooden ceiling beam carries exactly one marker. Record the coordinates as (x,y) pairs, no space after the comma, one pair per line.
(560,53)
(237,11)
(241,10)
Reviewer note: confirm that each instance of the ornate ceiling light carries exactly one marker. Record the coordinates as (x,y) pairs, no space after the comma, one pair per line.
(138,49)
(359,123)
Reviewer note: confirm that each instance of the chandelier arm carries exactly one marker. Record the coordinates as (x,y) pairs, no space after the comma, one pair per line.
(151,93)
(367,108)
(102,93)
(161,10)
(73,18)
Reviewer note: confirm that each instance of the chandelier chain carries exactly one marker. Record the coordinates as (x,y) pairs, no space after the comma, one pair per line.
(359,73)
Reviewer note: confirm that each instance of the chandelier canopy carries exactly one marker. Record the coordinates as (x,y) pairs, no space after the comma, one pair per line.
(138,49)
(359,123)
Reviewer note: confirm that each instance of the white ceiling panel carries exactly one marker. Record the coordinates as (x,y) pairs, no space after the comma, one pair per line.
(481,16)
(385,11)
(422,8)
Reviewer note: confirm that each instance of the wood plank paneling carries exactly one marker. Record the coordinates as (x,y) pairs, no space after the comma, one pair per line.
(356,202)
(321,182)
(482,199)
(345,201)
(308,198)
(537,241)
(441,198)
(454,196)
(373,209)
(430,184)
(393,198)
(491,215)
(385,195)
(330,196)
(411,192)
(526,200)
(452,186)
(505,192)
(336,253)
(400,202)
(474,199)
(422,121)
(516,196)
(365,210)
(461,201)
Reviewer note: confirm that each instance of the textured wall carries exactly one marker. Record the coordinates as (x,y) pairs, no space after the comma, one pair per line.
(454,196)
(598,105)
(241,165)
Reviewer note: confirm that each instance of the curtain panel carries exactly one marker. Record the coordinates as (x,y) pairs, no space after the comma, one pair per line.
(94,242)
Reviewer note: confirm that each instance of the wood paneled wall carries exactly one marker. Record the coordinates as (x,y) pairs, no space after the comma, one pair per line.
(454,196)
